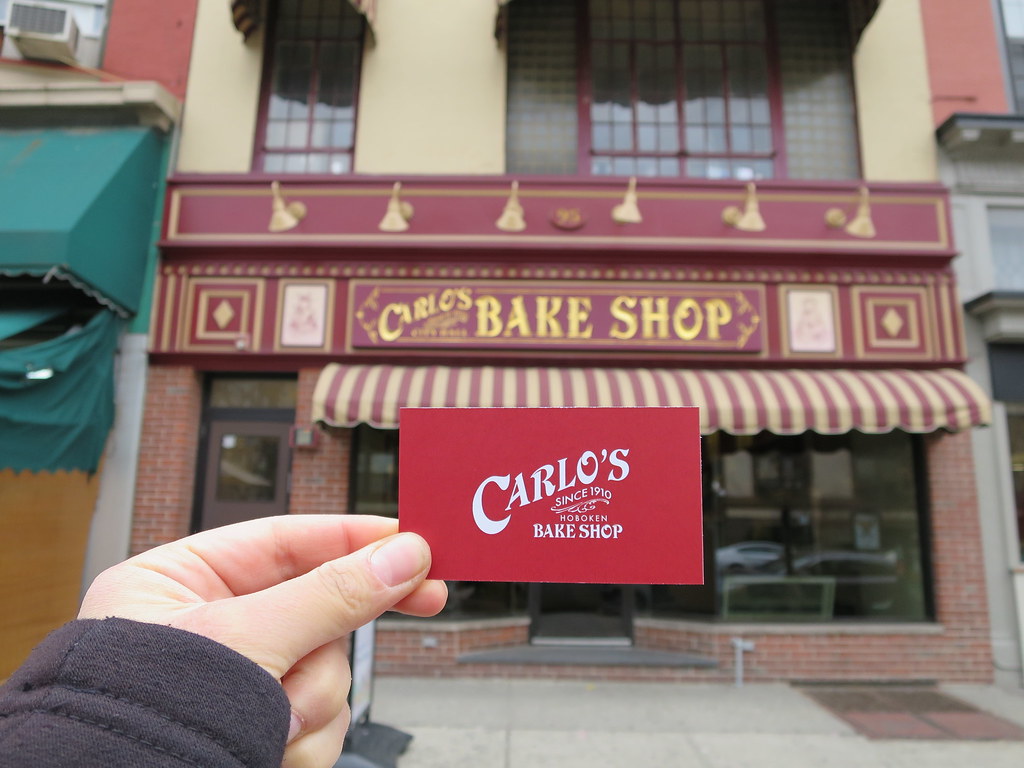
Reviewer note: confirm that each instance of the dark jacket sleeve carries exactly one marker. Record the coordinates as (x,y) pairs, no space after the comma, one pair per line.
(118,693)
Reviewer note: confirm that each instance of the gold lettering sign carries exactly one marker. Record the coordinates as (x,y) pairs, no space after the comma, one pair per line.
(521,315)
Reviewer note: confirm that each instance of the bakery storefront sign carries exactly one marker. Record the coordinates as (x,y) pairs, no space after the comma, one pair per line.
(534,315)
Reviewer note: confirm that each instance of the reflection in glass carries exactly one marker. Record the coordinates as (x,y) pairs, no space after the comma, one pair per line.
(247,468)
(275,134)
(484,599)
(808,528)
(646,138)
(237,392)
(375,472)
(796,528)
(724,81)
(622,137)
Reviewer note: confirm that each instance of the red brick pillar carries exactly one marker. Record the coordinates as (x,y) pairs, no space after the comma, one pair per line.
(961,601)
(319,474)
(167,456)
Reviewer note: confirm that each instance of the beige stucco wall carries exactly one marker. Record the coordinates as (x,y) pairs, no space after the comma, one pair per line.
(432,94)
(222,99)
(894,96)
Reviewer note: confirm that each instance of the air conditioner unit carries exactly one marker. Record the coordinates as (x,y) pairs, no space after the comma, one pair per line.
(45,31)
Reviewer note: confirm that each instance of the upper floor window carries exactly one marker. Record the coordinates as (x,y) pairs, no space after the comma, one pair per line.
(1013,24)
(307,118)
(744,89)
(1006,235)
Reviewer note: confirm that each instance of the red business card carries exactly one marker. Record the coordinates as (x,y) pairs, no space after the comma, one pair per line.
(589,495)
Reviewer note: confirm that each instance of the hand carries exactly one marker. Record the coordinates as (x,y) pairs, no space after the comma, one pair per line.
(282,591)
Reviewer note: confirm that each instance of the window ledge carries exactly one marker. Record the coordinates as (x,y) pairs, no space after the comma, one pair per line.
(704,627)
(1001,314)
(452,625)
(965,134)
(794,628)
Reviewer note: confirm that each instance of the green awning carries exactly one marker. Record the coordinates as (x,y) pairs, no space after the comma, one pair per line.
(57,399)
(78,205)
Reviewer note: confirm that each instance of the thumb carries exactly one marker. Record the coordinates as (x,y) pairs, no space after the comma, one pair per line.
(280,625)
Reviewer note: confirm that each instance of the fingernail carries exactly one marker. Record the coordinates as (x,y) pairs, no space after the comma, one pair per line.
(294,727)
(399,559)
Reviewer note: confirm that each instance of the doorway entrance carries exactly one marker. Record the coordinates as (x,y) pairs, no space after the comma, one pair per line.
(581,614)
(246,473)
(244,462)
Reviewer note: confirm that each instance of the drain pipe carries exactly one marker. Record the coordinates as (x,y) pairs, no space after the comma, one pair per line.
(739,646)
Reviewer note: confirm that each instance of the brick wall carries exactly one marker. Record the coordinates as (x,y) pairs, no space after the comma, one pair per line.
(958,562)
(319,474)
(167,456)
(170,441)
(404,649)
(954,648)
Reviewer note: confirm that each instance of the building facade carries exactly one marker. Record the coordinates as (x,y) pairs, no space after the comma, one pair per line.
(85,135)
(979,134)
(732,204)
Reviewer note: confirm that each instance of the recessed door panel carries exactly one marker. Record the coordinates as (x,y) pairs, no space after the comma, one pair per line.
(246,472)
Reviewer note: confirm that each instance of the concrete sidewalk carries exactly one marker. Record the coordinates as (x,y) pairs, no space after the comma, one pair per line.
(503,723)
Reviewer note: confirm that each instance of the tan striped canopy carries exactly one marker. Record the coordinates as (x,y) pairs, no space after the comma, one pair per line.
(245,14)
(861,12)
(741,402)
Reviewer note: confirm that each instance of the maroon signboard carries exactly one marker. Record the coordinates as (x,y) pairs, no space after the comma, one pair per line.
(691,216)
(390,314)
(584,495)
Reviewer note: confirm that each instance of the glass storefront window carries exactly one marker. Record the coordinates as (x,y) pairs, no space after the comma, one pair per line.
(808,528)
(374,480)
(1015,424)
(799,528)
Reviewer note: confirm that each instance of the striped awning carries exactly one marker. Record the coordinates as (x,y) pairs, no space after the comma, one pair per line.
(245,14)
(740,402)
(861,12)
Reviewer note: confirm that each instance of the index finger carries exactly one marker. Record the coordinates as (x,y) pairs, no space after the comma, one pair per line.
(254,555)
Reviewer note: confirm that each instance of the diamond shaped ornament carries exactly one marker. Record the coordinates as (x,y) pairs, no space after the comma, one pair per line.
(223,314)
(892,322)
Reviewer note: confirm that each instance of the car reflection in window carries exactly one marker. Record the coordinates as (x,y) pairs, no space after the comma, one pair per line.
(748,556)
(866,582)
